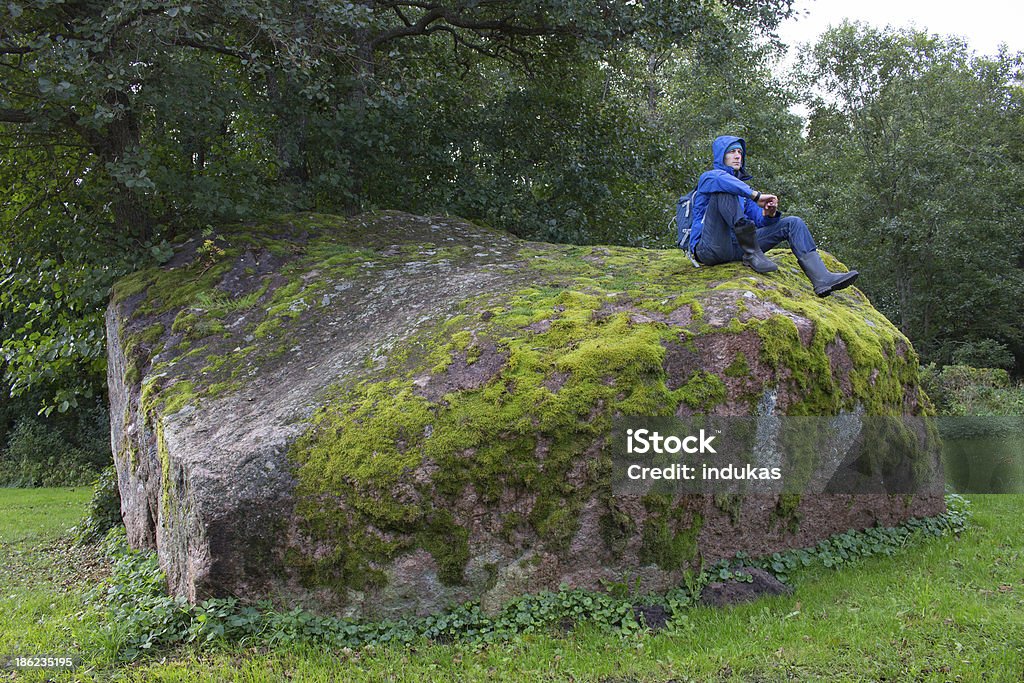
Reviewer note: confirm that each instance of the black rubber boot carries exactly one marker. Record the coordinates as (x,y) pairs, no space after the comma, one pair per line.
(753,257)
(822,279)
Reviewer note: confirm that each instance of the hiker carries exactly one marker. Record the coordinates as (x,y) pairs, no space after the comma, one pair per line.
(733,222)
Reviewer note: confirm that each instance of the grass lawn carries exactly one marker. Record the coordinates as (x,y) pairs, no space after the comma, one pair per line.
(946,609)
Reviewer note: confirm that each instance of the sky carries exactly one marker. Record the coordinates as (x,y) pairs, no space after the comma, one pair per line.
(984,23)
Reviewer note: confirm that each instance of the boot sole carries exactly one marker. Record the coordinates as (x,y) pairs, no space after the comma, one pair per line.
(842,284)
(762,272)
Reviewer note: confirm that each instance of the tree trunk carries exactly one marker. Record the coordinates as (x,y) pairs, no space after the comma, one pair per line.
(903,292)
(654,63)
(113,146)
(290,135)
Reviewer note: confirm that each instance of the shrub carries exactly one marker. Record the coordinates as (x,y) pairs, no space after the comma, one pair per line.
(39,456)
(987,353)
(66,450)
(104,509)
(965,390)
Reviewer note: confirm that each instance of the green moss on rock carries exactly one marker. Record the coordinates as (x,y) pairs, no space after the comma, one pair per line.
(786,510)
(669,532)
(448,543)
(739,366)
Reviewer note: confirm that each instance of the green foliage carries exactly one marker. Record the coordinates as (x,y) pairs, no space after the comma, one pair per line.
(982,426)
(736,92)
(964,390)
(516,112)
(983,353)
(64,451)
(141,616)
(571,164)
(140,619)
(913,171)
(669,538)
(104,511)
(52,340)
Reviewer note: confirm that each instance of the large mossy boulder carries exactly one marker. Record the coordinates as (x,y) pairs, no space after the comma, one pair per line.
(389,413)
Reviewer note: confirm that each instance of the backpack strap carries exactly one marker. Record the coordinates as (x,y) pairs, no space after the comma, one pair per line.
(684,217)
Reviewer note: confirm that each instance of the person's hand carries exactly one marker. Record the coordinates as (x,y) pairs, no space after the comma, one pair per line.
(771,207)
(765,199)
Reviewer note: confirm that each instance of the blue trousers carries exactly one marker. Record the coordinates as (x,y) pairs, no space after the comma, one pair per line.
(718,243)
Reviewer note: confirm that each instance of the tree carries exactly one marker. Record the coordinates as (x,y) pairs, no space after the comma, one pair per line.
(913,154)
(128,122)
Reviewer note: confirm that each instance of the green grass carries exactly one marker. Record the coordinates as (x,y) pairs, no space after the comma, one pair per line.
(946,609)
(33,515)
(42,574)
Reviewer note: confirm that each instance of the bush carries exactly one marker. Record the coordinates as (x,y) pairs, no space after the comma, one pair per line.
(66,450)
(39,456)
(986,353)
(104,509)
(981,421)
(966,390)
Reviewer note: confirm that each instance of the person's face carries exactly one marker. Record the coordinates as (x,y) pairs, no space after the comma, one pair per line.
(734,158)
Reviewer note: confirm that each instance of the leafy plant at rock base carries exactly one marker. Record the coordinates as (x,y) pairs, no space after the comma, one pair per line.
(104,511)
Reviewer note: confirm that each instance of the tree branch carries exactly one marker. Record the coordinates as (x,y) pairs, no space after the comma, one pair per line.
(495,53)
(504,26)
(15,116)
(206,47)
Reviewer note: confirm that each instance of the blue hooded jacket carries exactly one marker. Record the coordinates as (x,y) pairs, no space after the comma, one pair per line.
(724,178)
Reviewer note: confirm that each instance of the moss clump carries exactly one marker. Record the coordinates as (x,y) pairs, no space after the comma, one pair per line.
(731,504)
(786,510)
(268,328)
(133,371)
(218,388)
(703,391)
(445,352)
(137,349)
(129,286)
(177,397)
(473,354)
(448,543)
(667,542)
(888,447)
(511,523)
(556,522)
(152,334)
(345,566)
(372,440)
(166,491)
(781,347)
(194,325)
(220,304)
(739,366)
(617,528)
(883,362)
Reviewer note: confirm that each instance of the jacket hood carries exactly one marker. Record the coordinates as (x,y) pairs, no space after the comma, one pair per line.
(718,147)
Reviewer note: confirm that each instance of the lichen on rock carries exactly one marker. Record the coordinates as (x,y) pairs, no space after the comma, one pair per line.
(388,413)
